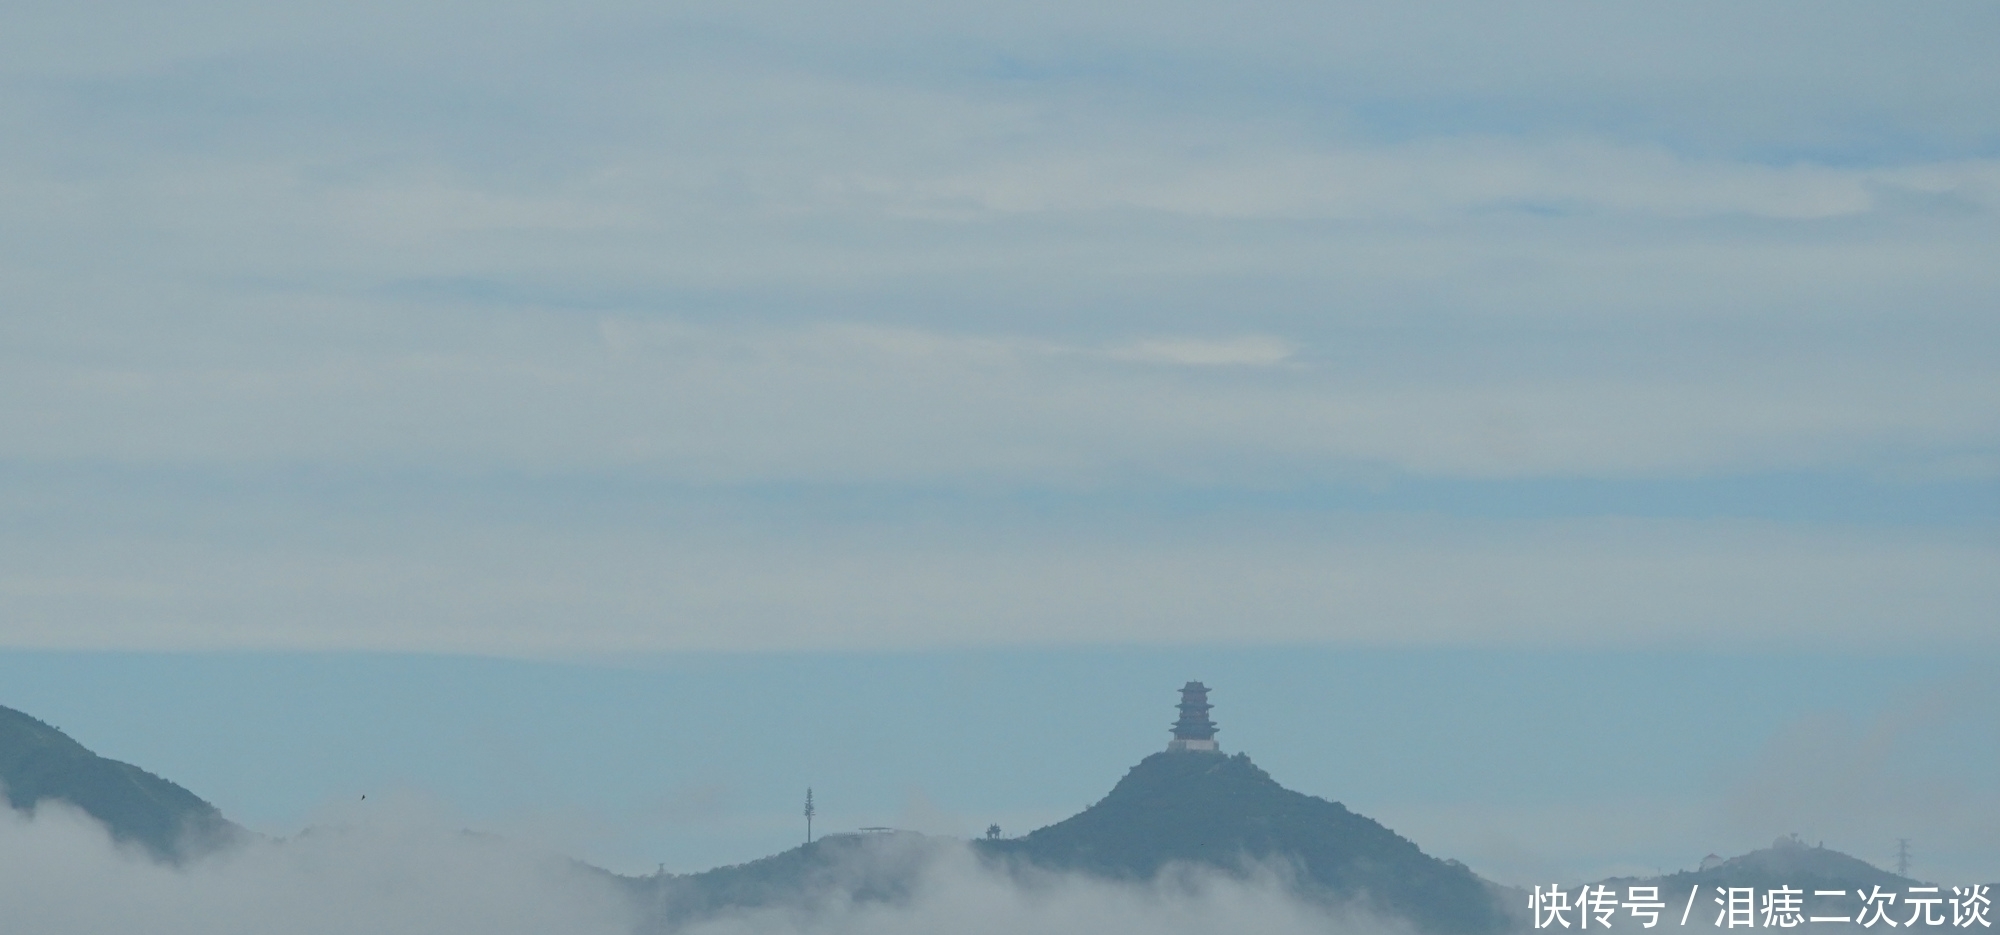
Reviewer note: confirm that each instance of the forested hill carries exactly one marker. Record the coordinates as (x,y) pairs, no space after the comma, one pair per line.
(1807,871)
(1186,808)
(1223,811)
(39,763)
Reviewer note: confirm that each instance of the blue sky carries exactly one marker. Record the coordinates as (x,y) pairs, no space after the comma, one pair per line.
(775,341)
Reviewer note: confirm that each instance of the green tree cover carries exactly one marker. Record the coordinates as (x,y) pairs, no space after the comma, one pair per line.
(39,763)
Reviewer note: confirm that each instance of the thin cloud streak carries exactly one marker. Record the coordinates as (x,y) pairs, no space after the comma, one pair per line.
(704,580)
(850,403)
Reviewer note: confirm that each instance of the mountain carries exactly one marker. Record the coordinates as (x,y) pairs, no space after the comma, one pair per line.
(1212,810)
(1181,808)
(881,866)
(1787,862)
(39,763)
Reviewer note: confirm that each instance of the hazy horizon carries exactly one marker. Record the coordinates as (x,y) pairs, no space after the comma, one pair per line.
(1529,766)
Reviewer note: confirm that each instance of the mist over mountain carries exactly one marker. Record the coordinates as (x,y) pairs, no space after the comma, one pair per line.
(393,868)
(1173,815)
(1789,862)
(1189,840)
(875,867)
(39,763)
(945,885)
(1221,811)
(1191,817)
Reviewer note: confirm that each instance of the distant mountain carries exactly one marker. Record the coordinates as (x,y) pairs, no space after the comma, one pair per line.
(39,763)
(1787,862)
(1182,808)
(869,867)
(1221,811)
(1790,861)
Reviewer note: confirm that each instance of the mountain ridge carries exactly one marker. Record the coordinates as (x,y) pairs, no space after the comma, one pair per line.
(1183,809)
(1223,811)
(40,763)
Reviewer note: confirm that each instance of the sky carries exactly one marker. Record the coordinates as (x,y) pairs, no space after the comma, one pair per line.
(672,378)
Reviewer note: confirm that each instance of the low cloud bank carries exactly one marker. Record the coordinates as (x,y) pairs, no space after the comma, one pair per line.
(61,873)
(956,892)
(407,873)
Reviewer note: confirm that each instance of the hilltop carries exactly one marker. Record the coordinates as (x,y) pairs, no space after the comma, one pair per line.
(1191,806)
(1787,862)
(872,867)
(1207,809)
(1189,809)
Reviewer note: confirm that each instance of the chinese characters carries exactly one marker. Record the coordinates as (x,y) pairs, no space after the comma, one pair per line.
(1780,907)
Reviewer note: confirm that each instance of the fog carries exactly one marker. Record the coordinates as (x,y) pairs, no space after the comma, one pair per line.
(959,896)
(401,870)
(61,873)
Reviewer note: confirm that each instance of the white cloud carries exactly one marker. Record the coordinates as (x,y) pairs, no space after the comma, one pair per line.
(402,873)
(60,874)
(959,896)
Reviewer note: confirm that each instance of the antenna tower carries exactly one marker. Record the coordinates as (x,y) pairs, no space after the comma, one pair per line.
(1902,857)
(809,815)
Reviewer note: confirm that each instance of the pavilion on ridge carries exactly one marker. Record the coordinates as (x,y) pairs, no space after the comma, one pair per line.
(1194,732)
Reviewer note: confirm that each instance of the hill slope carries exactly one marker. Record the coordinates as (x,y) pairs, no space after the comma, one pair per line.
(1199,809)
(1223,811)
(39,763)
(837,868)
(1787,862)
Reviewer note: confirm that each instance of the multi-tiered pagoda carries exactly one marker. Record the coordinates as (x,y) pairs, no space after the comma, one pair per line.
(1194,731)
